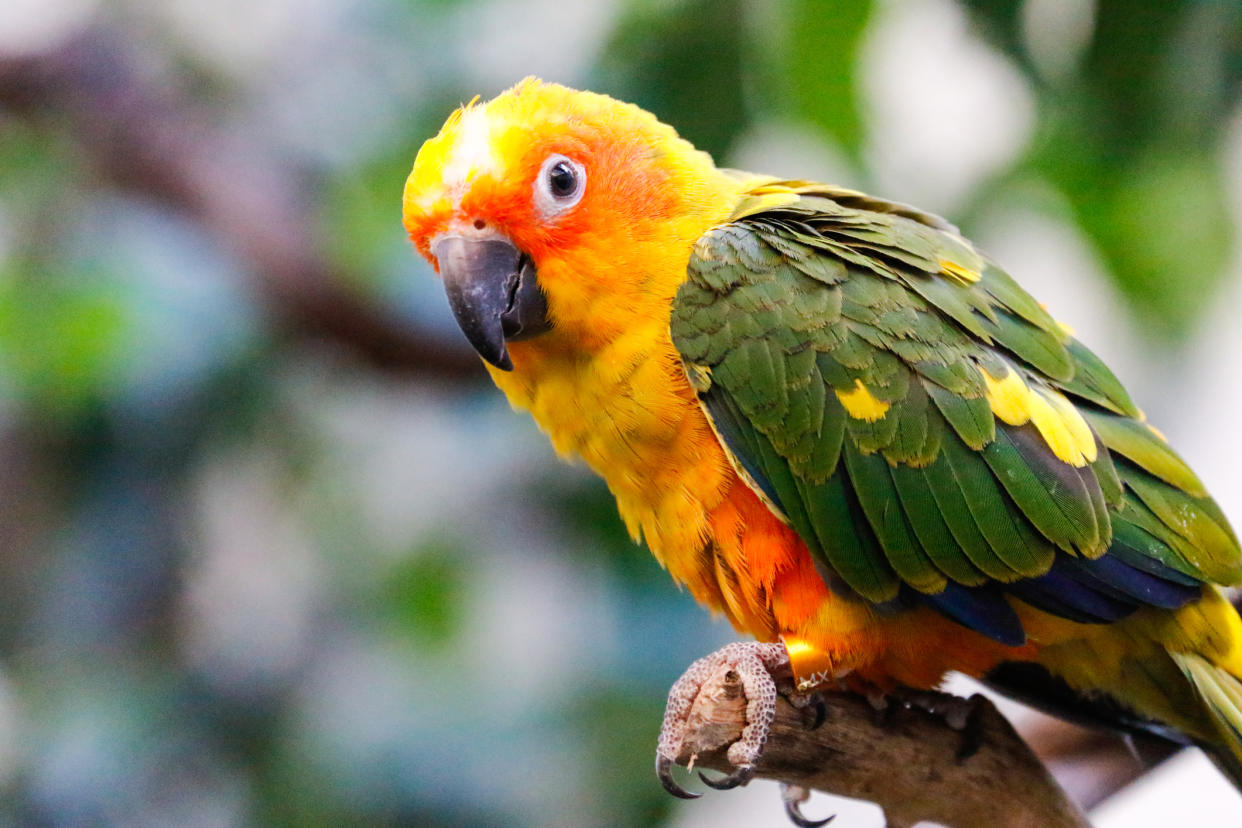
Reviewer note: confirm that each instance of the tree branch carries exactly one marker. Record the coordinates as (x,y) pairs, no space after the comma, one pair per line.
(907,762)
(151,138)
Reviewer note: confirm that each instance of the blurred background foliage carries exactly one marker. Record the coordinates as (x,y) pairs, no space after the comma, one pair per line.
(273,552)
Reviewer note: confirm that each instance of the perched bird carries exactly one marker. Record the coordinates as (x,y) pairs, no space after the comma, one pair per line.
(834,421)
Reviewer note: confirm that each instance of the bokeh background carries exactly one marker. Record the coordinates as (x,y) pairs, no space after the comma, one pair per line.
(273,551)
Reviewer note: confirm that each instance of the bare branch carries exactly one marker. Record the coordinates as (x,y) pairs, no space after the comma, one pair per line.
(152,139)
(907,762)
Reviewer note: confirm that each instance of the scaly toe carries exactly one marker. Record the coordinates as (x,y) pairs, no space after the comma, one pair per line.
(754,664)
(963,715)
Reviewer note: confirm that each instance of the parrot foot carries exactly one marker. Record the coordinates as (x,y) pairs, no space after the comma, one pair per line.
(794,796)
(812,706)
(962,715)
(757,665)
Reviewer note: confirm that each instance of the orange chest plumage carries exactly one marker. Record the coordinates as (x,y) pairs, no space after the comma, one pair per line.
(607,385)
(629,412)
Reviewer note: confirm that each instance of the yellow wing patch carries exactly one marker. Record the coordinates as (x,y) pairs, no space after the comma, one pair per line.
(959,273)
(1063,428)
(1008,396)
(861,405)
(1056,419)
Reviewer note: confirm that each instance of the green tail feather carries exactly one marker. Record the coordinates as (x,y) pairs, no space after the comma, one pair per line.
(1221,693)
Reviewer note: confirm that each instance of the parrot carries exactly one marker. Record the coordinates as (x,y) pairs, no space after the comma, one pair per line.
(833,420)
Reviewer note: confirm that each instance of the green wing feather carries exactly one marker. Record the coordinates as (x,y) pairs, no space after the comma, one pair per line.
(788,310)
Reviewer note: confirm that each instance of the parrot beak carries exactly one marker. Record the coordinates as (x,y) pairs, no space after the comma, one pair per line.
(493,292)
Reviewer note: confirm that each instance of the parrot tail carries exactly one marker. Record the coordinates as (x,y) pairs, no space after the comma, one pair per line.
(1221,694)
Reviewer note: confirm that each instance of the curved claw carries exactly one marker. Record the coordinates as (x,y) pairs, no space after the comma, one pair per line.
(664,772)
(740,776)
(793,810)
(821,712)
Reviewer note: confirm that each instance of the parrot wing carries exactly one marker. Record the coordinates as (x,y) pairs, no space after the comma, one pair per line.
(928,430)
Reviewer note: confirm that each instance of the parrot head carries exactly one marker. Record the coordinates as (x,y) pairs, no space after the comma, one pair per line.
(549,213)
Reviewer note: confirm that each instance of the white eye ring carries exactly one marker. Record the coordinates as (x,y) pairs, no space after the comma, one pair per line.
(559,185)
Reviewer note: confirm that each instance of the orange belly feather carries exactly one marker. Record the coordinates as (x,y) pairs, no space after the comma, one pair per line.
(829,635)
(632,415)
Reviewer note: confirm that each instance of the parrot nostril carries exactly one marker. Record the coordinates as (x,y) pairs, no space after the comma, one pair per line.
(479,224)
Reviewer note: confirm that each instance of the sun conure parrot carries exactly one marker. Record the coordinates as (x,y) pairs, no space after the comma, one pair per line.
(834,421)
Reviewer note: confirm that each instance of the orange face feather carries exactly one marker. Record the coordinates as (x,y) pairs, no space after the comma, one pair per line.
(480,175)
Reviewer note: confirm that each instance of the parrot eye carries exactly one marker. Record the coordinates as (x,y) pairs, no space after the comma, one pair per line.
(560,185)
(562,180)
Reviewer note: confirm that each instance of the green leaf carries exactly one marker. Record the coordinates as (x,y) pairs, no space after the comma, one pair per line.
(61,337)
(1001,22)
(1165,226)
(820,65)
(425,594)
(682,61)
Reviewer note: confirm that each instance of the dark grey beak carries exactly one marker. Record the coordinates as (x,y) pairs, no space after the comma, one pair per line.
(493,292)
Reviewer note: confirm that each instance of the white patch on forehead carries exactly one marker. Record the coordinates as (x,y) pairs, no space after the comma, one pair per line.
(472,153)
